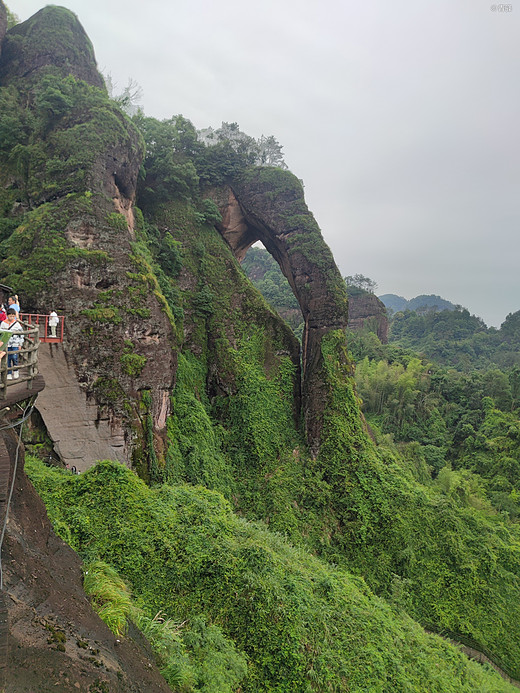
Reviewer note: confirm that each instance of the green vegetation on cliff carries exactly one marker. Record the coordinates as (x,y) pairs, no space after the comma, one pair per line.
(52,143)
(269,556)
(301,624)
(232,429)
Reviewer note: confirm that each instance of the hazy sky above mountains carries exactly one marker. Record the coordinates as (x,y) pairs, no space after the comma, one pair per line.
(401,117)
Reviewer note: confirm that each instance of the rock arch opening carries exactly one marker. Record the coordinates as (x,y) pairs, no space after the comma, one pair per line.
(265,273)
(267,205)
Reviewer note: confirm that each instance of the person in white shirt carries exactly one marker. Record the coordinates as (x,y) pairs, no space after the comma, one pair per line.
(53,322)
(12,324)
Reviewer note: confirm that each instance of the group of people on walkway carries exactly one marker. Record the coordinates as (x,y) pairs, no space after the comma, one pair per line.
(10,323)
(11,333)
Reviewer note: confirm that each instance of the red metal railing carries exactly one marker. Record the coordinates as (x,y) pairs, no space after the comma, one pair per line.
(44,329)
(27,367)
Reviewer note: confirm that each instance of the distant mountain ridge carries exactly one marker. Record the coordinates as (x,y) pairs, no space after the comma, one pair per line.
(424,302)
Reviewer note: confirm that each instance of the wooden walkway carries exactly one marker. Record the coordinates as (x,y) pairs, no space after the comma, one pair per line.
(18,390)
(26,368)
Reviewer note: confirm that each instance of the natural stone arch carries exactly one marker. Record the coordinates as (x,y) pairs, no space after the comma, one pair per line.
(267,205)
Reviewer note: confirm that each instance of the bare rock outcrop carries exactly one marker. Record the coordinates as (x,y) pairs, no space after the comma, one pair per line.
(365,310)
(74,423)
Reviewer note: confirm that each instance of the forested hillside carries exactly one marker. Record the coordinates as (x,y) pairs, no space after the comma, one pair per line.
(421,304)
(459,339)
(265,535)
(263,270)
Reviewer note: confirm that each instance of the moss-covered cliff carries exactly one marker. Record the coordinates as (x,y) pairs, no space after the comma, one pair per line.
(70,160)
(134,228)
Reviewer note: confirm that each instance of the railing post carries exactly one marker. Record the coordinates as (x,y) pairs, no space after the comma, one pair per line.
(3,376)
(34,364)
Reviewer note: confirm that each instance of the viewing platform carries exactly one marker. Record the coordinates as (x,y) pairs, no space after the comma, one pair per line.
(45,330)
(28,380)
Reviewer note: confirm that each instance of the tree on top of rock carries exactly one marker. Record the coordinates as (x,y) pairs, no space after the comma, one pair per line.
(359,281)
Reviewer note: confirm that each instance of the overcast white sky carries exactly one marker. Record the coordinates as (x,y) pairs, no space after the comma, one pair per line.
(402,118)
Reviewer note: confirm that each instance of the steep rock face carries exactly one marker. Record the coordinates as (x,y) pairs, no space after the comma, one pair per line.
(74,249)
(55,640)
(222,311)
(267,204)
(75,425)
(366,310)
(52,37)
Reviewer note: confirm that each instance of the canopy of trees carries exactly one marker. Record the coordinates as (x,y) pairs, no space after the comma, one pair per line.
(359,281)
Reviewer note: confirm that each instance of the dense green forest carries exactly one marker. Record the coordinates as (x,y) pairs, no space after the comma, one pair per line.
(450,387)
(464,426)
(420,304)
(445,392)
(456,338)
(251,564)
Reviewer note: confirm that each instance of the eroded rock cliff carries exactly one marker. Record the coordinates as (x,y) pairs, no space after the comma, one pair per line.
(267,205)
(71,192)
(367,311)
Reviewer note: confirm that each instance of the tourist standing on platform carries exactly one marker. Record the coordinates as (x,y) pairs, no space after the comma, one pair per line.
(12,324)
(53,322)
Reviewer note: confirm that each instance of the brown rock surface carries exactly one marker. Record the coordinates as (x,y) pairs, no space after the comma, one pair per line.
(366,310)
(46,607)
(73,422)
